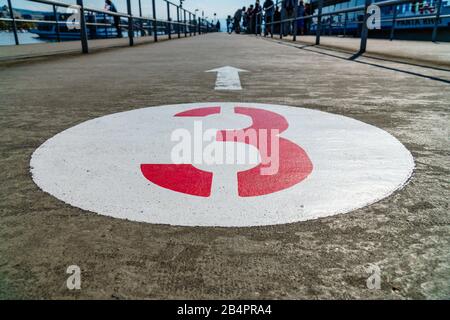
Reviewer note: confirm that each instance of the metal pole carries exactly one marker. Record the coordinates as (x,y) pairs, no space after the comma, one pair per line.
(130,24)
(83,32)
(169,24)
(436,22)
(95,26)
(140,8)
(282,16)
(140,21)
(330,26)
(364,30)
(319,21)
(295,28)
(185,24)
(345,24)
(106,27)
(272,26)
(11,13)
(55,13)
(203,22)
(394,21)
(189,24)
(194,22)
(178,20)
(155,23)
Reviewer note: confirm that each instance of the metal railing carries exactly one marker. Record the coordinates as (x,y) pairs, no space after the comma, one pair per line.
(186,22)
(263,14)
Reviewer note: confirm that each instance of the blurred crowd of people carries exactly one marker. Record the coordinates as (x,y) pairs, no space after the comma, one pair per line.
(250,20)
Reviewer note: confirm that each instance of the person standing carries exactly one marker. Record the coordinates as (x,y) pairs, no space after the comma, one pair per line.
(258,17)
(111,7)
(287,12)
(251,20)
(245,19)
(300,22)
(307,20)
(277,20)
(269,12)
(228,24)
(237,20)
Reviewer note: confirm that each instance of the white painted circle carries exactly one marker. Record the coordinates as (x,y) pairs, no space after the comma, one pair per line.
(95,166)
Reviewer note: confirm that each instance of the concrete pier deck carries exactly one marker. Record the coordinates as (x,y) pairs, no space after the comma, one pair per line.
(405,234)
(23,52)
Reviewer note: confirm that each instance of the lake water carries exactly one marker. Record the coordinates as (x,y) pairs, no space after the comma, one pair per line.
(7,38)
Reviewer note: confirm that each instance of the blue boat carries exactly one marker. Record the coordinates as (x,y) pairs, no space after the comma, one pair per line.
(414,21)
(49,31)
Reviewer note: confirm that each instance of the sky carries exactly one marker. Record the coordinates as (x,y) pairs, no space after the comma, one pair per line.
(221,7)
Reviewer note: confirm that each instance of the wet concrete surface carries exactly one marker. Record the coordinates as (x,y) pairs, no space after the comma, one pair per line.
(406,234)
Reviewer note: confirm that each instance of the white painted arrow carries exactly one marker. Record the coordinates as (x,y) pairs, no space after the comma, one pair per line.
(227,78)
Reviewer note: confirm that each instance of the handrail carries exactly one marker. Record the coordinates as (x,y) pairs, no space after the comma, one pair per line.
(56,3)
(364,34)
(192,25)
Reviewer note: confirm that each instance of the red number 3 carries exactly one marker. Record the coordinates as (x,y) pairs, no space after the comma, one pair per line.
(294,164)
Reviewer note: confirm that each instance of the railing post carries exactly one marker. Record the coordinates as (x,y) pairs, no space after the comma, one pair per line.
(169,24)
(155,23)
(106,27)
(295,27)
(189,24)
(282,17)
(11,13)
(364,30)
(436,22)
(272,26)
(185,23)
(130,24)
(141,23)
(58,34)
(194,24)
(319,21)
(178,22)
(199,26)
(394,21)
(345,24)
(83,31)
(330,26)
